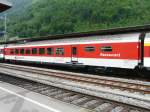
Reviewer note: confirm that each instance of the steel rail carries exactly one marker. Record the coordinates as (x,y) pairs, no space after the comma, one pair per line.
(95,104)
(131,87)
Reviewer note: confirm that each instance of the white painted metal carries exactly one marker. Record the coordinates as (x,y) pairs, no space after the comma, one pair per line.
(120,63)
(84,40)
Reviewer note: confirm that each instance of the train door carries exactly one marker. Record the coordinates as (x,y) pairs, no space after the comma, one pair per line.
(74,54)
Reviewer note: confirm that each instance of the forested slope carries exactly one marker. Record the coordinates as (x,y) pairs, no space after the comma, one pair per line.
(46,17)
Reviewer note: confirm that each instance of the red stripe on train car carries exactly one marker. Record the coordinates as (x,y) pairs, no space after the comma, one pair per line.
(126,50)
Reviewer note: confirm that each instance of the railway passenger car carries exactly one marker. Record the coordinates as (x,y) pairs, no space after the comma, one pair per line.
(127,50)
(119,51)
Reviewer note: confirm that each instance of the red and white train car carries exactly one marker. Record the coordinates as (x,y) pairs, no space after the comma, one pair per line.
(119,51)
(127,50)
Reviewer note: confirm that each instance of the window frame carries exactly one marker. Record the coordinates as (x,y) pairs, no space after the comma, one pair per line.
(60,51)
(88,49)
(26,51)
(22,51)
(41,51)
(51,52)
(34,51)
(106,48)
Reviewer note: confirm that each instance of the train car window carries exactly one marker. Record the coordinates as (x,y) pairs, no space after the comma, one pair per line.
(1,51)
(106,48)
(28,51)
(22,51)
(16,51)
(34,51)
(41,50)
(89,49)
(50,51)
(59,51)
(12,51)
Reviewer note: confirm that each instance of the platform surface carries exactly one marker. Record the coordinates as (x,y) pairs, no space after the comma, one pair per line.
(16,99)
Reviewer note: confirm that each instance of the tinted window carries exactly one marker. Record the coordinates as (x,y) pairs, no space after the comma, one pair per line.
(22,51)
(41,51)
(28,51)
(106,48)
(34,51)
(74,51)
(50,51)
(59,51)
(89,49)
(16,51)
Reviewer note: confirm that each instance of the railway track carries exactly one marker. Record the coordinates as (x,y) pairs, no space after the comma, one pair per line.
(97,81)
(141,88)
(94,104)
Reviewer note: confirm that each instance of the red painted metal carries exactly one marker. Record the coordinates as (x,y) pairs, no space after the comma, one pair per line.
(126,50)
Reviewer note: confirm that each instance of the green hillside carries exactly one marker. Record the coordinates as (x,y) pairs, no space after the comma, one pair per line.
(46,17)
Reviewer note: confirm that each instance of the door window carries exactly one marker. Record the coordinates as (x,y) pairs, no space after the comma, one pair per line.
(74,51)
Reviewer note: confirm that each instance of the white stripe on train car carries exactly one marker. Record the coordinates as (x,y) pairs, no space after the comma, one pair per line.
(120,63)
